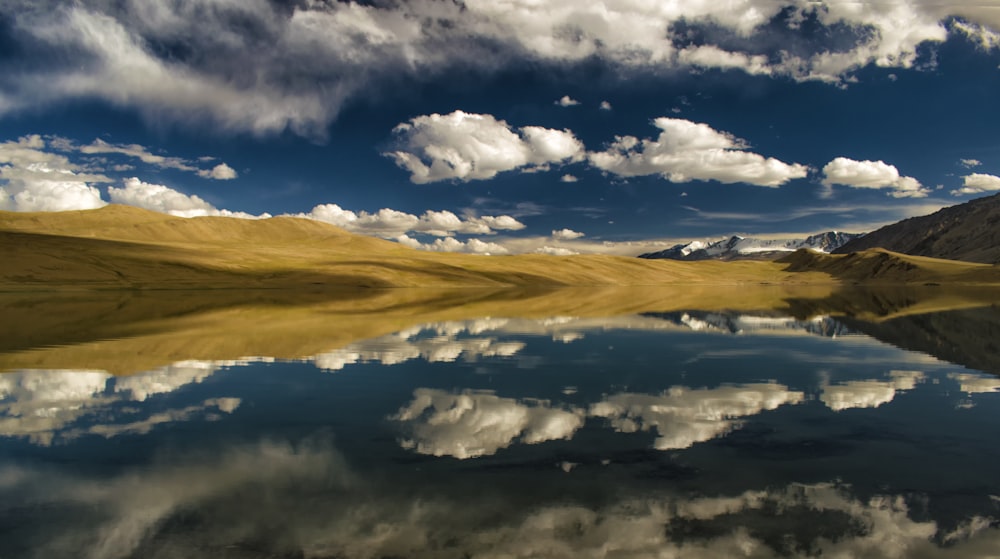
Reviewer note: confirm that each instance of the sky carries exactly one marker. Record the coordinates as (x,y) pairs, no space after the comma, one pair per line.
(505,126)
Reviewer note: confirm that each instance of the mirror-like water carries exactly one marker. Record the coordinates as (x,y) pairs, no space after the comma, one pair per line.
(676,433)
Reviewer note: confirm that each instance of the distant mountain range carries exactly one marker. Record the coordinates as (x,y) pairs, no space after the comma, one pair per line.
(969,232)
(744,248)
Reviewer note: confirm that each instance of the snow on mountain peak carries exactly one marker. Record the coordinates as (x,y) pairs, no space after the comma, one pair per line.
(749,247)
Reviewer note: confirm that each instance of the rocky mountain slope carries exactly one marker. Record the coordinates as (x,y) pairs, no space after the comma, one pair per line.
(969,232)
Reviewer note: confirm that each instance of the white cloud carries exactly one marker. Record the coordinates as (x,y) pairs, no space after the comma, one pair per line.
(711,56)
(312,57)
(400,347)
(970,163)
(356,513)
(43,195)
(164,199)
(160,198)
(473,424)
(683,416)
(221,172)
(984,37)
(99,146)
(568,178)
(33,179)
(45,406)
(117,66)
(389,223)
(605,106)
(871,174)
(566,234)
(138,152)
(975,384)
(686,151)
(566,101)
(977,183)
(451,244)
(868,393)
(547,245)
(468,147)
(555,251)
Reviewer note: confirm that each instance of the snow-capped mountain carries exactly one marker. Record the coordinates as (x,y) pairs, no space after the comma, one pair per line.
(736,323)
(737,247)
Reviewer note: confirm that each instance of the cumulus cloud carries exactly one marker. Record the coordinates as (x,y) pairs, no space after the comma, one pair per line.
(975,384)
(977,183)
(568,178)
(469,146)
(164,199)
(970,163)
(566,234)
(34,179)
(49,406)
(711,56)
(871,174)
(472,424)
(686,151)
(868,393)
(605,106)
(390,223)
(443,347)
(160,198)
(221,172)
(451,244)
(683,416)
(566,101)
(555,251)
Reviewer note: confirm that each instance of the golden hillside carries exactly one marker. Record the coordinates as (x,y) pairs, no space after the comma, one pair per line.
(125,247)
(878,265)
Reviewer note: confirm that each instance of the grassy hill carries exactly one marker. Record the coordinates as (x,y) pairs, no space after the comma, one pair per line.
(880,266)
(125,247)
(121,247)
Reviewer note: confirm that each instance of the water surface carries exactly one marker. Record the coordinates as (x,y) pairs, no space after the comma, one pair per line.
(792,430)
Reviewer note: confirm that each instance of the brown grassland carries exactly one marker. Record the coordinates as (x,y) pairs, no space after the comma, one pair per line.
(124,247)
(125,290)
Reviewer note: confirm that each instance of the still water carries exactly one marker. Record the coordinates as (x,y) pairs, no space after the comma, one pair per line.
(686,433)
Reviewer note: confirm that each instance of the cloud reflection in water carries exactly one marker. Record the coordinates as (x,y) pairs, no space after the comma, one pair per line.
(304,500)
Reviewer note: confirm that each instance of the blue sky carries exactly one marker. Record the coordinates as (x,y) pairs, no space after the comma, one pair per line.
(508,125)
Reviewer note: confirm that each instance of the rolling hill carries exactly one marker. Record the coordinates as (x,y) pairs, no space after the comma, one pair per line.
(126,247)
(968,232)
(880,266)
(119,247)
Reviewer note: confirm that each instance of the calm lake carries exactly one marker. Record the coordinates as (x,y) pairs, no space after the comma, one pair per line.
(788,431)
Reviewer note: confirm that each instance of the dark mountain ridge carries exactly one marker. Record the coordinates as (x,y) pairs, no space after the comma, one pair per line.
(968,232)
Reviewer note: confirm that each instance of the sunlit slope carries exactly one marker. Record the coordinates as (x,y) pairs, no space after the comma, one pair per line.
(882,266)
(124,247)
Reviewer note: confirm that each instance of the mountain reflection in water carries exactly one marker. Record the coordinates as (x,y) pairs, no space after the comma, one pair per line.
(557,429)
